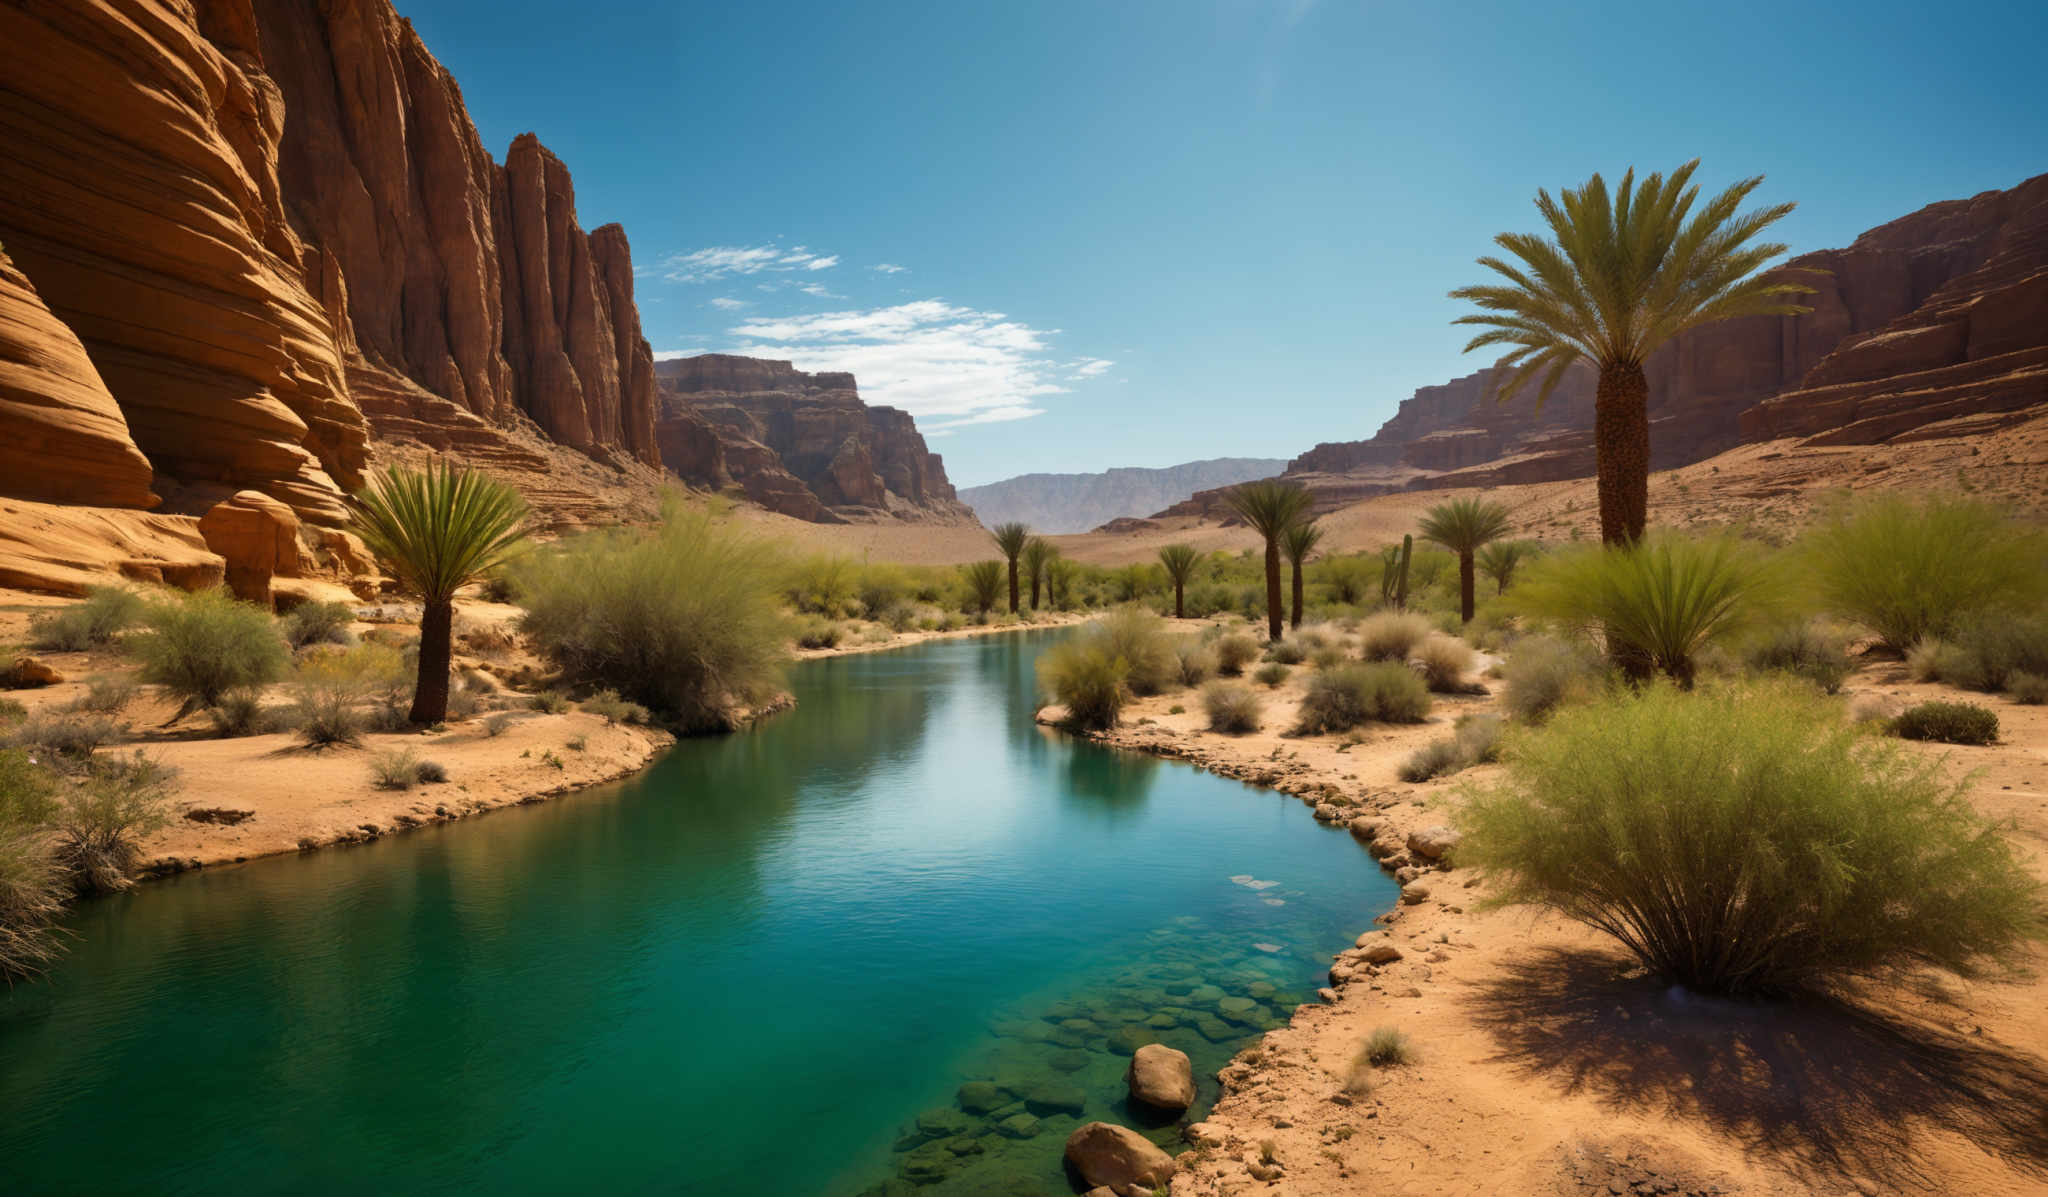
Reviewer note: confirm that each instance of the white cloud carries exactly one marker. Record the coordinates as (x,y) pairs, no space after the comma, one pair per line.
(818,289)
(1088,367)
(725,261)
(729,305)
(889,268)
(949,366)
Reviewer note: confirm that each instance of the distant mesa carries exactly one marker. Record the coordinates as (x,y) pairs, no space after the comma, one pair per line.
(1057,503)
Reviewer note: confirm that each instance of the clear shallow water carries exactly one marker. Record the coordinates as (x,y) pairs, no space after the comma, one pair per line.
(749,970)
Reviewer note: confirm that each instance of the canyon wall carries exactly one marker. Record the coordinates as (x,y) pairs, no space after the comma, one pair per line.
(801,444)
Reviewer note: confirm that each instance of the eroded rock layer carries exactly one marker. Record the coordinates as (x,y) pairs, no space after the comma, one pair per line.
(801,444)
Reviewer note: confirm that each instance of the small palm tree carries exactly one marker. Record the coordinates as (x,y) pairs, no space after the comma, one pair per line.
(1464,526)
(1180,561)
(1010,539)
(1037,558)
(1270,506)
(1500,559)
(1621,275)
(439,529)
(1297,543)
(984,583)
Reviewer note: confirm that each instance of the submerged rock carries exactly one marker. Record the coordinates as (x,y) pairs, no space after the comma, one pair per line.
(1106,1154)
(982,1097)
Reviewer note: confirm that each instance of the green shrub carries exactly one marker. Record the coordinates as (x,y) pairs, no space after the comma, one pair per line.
(2030,689)
(101,822)
(1391,635)
(1931,659)
(551,702)
(1438,758)
(1543,673)
(498,724)
(1661,600)
(1084,676)
(1140,639)
(1196,660)
(105,695)
(818,633)
(1909,571)
(430,773)
(1234,652)
(1327,658)
(395,769)
(1475,741)
(1232,707)
(1747,840)
(1387,1047)
(317,623)
(683,621)
(613,709)
(241,713)
(1445,660)
(331,686)
(1947,722)
(1287,652)
(106,612)
(822,584)
(1343,698)
(206,644)
(1989,650)
(1804,649)
(31,889)
(1271,674)
(67,736)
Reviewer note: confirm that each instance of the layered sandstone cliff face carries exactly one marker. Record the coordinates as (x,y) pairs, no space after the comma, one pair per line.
(1937,316)
(800,444)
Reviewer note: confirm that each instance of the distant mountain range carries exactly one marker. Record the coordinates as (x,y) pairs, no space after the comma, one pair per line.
(1080,502)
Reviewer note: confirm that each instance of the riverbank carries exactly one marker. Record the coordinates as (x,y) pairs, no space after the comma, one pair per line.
(1544,1064)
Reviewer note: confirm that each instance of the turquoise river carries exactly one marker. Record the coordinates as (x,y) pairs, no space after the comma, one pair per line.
(764,966)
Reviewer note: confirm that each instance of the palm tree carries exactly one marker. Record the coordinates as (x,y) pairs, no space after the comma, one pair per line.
(984,583)
(1011,538)
(1180,561)
(1500,559)
(1300,539)
(1464,526)
(1037,558)
(1270,506)
(439,529)
(1621,275)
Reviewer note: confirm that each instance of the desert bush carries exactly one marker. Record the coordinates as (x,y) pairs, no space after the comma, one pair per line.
(1445,660)
(1391,635)
(613,709)
(1659,601)
(1234,652)
(105,695)
(1232,707)
(817,633)
(822,584)
(1386,1048)
(899,617)
(1287,652)
(1271,674)
(1989,650)
(331,685)
(1806,649)
(1196,659)
(1908,570)
(498,724)
(1343,698)
(1543,673)
(1947,722)
(101,822)
(1438,758)
(550,702)
(106,612)
(31,888)
(1083,675)
(1931,659)
(1746,840)
(498,586)
(11,710)
(1327,658)
(317,623)
(683,621)
(1479,737)
(241,713)
(70,737)
(2030,689)
(430,772)
(1139,638)
(203,645)
(395,769)
(1475,741)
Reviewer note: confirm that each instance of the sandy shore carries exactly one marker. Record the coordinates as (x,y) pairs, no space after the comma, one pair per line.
(1545,1064)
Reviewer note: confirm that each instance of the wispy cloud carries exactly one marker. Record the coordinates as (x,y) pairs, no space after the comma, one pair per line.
(888,268)
(726,303)
(1087,367)
(725,261)
(818,290)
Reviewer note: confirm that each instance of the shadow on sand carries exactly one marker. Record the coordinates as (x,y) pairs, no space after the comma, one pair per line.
(1827,1086)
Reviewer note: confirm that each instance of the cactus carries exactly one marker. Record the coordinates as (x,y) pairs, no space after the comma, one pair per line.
(1401,588)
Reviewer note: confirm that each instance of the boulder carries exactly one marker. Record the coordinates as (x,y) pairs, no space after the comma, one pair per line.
(258,537)
(28,673)
(1432,843)
(1103,1153)
(1162,1078)
(1381,953)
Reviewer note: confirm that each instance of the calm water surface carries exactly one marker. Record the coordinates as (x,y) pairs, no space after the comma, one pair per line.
(764,966)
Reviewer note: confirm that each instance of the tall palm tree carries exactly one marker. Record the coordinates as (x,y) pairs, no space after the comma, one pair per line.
(1037,558)
(1464,526)
(1011,538)
(439,529)
(1620,275)
(1180,561)
(1300,539)
(1270,506)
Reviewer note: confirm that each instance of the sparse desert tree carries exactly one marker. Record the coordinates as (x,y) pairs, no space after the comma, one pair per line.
(1037,559)
(1180,561)
(1500,559)
(1300,540)
(984,581)
(1464,526)
(1620,274)
(1010,539)
(1749,840)
(439,529)
(1270,506)
(204,645)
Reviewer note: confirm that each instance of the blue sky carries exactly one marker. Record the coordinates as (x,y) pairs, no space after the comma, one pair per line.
(1074,235)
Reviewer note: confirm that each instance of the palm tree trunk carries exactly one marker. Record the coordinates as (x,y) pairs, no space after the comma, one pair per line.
(1273,608)
(1294,611)
(437,633)
(1466,585)
(1179,607)
(1621,450)
(1035,579)
(1013,585)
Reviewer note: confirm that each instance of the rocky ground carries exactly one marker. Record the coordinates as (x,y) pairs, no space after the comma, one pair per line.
(1543,1062)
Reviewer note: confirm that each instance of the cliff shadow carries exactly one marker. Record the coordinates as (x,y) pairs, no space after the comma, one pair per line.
(1826,1085)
